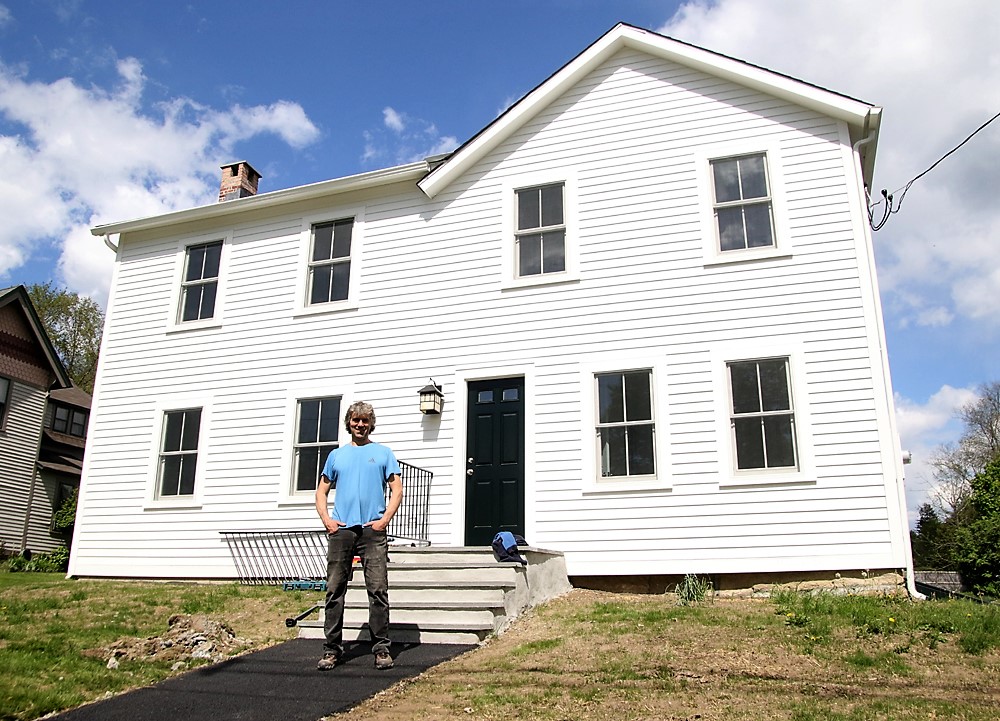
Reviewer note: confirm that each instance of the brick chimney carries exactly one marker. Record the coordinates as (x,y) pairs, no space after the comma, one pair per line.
(239,180)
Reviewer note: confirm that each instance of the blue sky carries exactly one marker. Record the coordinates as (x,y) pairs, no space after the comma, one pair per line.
(113,110)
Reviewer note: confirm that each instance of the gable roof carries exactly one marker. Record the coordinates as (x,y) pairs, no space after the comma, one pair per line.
(19,295)
(862,118)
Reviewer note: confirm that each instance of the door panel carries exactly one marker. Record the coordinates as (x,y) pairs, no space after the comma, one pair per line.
(494,491)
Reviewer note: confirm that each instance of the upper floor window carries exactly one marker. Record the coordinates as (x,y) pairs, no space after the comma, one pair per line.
(317,429)
(762,417)
(200,285)
(72,421)
(4,396)
(625,427)
(540,234)
(178,453)
(330,261)
(742,202)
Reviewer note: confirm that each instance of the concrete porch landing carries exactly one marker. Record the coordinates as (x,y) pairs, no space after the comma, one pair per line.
(454,595)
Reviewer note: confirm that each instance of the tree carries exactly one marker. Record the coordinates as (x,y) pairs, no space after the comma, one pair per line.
(979,541)
(960,528)
(74,324)
(956,464)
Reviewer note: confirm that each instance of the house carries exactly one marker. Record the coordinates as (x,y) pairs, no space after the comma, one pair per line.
(43,427)
(646,293)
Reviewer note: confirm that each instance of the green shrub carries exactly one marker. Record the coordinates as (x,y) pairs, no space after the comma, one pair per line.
(55,562)
(65,518)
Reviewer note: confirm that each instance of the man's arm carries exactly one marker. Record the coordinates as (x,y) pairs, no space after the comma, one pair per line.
(395,498)
(322,496)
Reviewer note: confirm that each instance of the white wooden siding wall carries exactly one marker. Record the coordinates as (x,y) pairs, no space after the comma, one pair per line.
(18,451)
(431,305)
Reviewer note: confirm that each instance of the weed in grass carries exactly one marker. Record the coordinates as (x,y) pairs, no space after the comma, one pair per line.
(693,589)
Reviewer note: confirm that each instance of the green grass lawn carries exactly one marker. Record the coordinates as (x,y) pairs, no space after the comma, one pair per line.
(587,655)
(48,623)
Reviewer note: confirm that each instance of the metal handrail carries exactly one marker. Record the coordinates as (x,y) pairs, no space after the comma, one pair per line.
(283,557)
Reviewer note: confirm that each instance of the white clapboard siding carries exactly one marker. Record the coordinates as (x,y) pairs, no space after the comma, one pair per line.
(432,303)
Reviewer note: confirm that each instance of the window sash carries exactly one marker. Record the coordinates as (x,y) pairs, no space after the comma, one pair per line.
(742,202)
(540,235)
(762,416)
(625,428)
(199,288)
(330,261)
(70,421)
(317,429)
(178,460)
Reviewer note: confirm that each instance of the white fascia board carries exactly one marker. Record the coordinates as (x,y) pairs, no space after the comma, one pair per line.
(853,112)
(387,176)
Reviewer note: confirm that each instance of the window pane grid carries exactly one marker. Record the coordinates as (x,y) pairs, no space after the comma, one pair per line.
(742,203)
(179,452)
(625,429)
(540,235)
(201,281)
(317,430)
(330,261)
(762,417)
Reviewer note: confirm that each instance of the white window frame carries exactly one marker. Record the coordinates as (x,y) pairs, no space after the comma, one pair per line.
(286,493)
(303,287)
(729,475)
(712,251)
(593,481)
(177,290)
(154,500)
(510,278)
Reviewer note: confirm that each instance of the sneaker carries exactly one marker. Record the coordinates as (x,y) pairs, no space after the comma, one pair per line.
(383,660)
(328,661)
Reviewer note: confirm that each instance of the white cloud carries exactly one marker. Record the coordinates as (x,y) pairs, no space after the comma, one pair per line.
(5,16)
(393,120)
(77,156)
(411,139)
(932,66)
(922,428)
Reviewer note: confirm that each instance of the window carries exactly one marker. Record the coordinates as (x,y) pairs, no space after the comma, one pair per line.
(540,235)
(201,281)
(761,415)
(4,393)
(69,420)
(330,261)
(742,203)
(179,453)
(625,428)
(317,430)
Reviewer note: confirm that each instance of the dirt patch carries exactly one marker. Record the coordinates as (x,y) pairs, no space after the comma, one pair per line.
(188,638)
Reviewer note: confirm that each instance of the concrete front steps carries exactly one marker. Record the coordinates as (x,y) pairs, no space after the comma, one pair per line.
(451,594)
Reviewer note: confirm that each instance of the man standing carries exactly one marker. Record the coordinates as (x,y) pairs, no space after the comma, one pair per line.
(360,472)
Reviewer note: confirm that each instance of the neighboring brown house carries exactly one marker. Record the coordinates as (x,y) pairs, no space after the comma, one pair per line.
(43,427)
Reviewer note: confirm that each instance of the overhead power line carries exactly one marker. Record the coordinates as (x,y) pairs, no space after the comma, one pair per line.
(890,208)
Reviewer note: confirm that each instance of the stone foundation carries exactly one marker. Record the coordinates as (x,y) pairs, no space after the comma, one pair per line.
(759,585)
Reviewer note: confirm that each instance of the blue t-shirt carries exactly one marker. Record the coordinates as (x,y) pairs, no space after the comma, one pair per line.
(359,474)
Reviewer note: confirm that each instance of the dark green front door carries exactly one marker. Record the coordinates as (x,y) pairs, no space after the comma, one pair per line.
(494,480)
